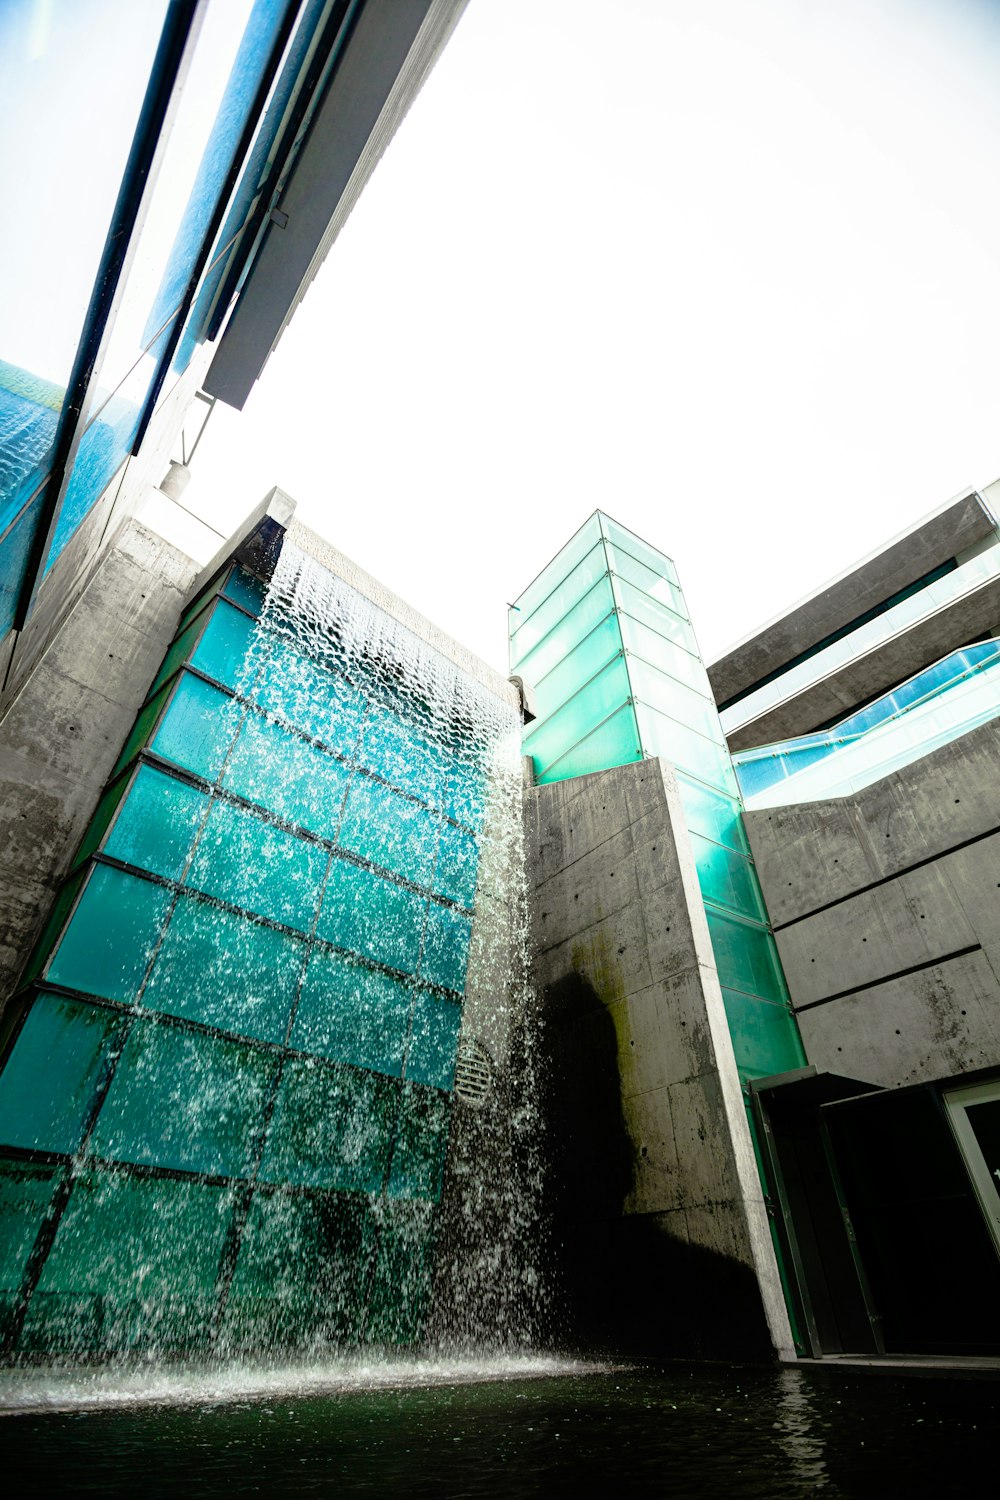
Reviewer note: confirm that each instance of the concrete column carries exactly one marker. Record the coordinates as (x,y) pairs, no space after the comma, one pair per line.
(656,1197)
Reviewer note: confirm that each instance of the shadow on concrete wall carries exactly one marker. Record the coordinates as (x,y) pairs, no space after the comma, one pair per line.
(626,1282)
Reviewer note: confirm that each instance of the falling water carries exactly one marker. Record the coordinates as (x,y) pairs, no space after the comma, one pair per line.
(290,1132)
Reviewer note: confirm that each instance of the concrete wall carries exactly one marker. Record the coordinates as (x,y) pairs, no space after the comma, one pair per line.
(886,910)
(953,528)
(62,734)
(659,1218)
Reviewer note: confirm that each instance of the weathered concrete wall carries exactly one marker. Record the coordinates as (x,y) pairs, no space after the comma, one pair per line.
(658,1207)
(886,909)
(63,732)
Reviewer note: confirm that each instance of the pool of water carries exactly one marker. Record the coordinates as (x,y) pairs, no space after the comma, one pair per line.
(535,1427)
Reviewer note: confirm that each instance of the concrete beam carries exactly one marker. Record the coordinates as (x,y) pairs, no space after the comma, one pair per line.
(952,529)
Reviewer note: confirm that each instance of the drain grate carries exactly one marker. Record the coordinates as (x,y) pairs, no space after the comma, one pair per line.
(473,1071)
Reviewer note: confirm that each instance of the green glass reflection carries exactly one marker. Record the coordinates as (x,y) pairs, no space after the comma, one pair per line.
(287,775)
(372,916)
(352,1014)
(685,748)
(49,1083)
(712,814)
(457,865)
(332,1127)
(198,727)
(598,700)
(401,1283)
(156,824)
(224,648)
(576,549)
(421,1143)
(310,696)
(745,956)
(25,1194)
(184,1100)
(111,936)
(655,686)
(662,648)
(727,879)
(115,1280)
(613,743)
(243,588)
(225,971)
(246,860)
(535,656)
(765,1036)
(578,666)
(303,1270)
(434,1032)
(446,947)
(533,627)
(143,728)
(390,830)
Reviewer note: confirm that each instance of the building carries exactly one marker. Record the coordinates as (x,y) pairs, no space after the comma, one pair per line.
(779,1022)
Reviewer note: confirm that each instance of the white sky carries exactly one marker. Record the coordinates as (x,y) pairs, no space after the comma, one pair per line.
(725,268)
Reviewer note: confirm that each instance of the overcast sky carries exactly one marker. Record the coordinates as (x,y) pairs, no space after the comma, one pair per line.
(725,268)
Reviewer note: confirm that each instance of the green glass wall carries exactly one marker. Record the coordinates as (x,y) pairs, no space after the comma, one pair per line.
(604,638)
(225,1103)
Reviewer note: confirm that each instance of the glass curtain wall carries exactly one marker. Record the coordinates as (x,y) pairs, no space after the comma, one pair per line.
(225,1105)
(603,637)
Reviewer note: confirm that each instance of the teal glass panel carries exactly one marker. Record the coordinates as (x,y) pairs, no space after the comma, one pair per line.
(656,562)
(613,743)
(671,697)
(314,699)
(133,1266)
(401,753)
(728,879)
(576,549)
(661,648)
(331,1127)
(642,577)
(684,748)
(582,618)
(303,1270)
(157,823)
(180,651)
(581,663)
(184,1100)
(352,1014)
(446,947)
(372,916)
(50,932)
(457,865)
(401,1284)
(532,628)
(225,971)
(656,616)
(745,956)
(243,859)
(49,1083)
(390,830)
(243,588)
(465,792)
(112,935)
(712,814)
(421,1143)
(765,1036)
(601,697)
(430,1057)
(100,822)
(25,1193)
(224,650)
(287,775)
(198,727)
(142,729)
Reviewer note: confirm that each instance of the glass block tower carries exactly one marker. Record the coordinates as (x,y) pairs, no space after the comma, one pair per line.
(603,637)
(227,1080)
